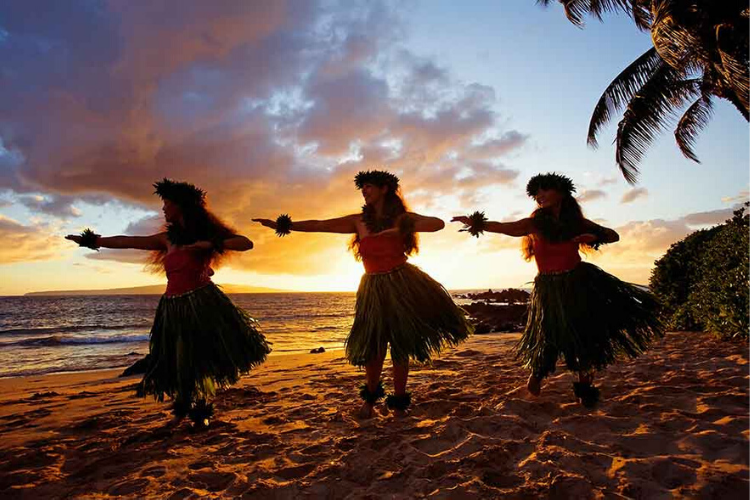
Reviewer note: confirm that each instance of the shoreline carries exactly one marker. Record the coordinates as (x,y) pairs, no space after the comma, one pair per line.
(120,369)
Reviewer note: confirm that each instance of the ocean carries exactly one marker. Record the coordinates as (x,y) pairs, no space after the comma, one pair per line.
(43,334)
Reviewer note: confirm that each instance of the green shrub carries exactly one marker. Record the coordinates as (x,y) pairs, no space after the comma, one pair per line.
(702,280)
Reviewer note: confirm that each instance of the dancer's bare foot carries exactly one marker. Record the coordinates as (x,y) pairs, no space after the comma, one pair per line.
(534,385)
(366,411)
(384,410)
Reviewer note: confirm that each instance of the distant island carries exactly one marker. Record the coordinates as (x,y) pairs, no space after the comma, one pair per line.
(153,290)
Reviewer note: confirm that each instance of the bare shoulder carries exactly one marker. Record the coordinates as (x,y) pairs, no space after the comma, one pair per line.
(160,240)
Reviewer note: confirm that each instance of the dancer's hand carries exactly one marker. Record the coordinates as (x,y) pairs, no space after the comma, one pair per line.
(266,222)
(199,245)
(463,219)
(585,238)
(74,238)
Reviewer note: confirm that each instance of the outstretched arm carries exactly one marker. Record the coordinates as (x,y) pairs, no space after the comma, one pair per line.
(597,234)
(236,243)
(523,227)
(153,242)
(345,225)
(518,228)
(423,223)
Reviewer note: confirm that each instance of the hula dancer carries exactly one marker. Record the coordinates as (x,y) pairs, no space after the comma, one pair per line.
(576,310)
(200,340)
(397,304)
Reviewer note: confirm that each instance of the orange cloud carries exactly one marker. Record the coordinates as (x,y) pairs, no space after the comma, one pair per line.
(28,243)
(252,101)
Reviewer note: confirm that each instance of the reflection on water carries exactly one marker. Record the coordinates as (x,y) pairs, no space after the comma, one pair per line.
(54,334)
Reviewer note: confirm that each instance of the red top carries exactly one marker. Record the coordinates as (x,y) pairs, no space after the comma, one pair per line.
(555,257)
(186,271)
(382,252)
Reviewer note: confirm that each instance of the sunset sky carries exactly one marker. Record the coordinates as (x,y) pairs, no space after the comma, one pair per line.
(274,106)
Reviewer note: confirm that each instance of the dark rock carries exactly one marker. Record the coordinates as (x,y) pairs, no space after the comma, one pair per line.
(318,350)
(43,395)
(497,317)
(482,327)
(509,296)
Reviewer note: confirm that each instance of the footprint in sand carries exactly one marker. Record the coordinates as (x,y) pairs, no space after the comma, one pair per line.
(201,464)
(130,487)
(212,481)
(156,471)
(181,494)
(297,472)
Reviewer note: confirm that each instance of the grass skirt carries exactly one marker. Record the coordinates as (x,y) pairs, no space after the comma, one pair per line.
(589,317)
(200,341)
(408,310)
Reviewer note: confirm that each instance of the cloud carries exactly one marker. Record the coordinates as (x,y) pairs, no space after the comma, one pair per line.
(643,242)
(591,195)
(269,106)
(58,206)
(494,148)
(634,194)
(28,243)
(353,107)
(743,196)
(709,218)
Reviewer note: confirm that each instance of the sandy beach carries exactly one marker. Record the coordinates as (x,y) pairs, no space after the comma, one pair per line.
(673,423)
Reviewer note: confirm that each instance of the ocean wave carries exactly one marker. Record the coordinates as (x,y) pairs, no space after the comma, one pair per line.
(72,329)
(305,316)
(61,340)
(71,368)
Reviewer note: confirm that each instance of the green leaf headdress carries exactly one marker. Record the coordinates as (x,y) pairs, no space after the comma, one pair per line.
(376,178)
(181,193)
(558,182)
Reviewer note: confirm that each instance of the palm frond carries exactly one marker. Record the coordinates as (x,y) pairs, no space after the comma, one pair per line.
(648,112)
(692,122)
(599,7)
(676,34)
(641,14)
(621,90)
(576,10)
(733,53)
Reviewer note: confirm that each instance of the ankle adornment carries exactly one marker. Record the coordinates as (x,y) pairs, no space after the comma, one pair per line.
(371,397)
(401,402)
(587,393)
(201,411)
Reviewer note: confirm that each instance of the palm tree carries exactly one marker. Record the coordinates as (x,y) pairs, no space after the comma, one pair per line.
(700,53)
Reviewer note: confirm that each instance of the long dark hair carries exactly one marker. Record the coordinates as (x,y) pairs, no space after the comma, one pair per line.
(393,207)
(200,225)
(567,226)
